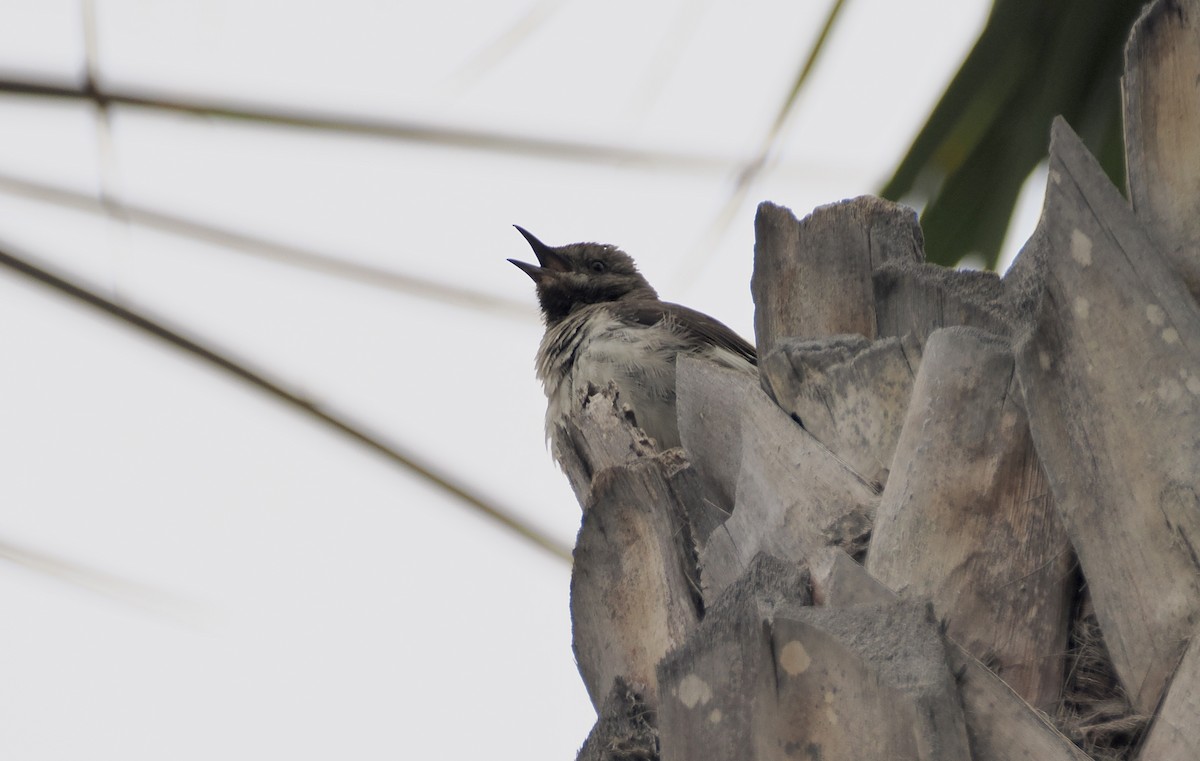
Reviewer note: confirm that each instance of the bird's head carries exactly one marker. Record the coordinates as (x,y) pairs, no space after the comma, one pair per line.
(571,276)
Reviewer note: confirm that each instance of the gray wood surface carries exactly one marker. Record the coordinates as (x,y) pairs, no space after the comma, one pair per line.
(633,591)
(967,520)
(1175,733)
(849,393)
(1001,726)
(869,681)
(717,688)
(1110,366)
(602,434)
(917,299)
(768,676)
(793,496)
(708,402)
(812,277)
(1161,89)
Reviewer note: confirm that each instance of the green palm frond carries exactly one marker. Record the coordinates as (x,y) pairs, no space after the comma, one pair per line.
(1035,59)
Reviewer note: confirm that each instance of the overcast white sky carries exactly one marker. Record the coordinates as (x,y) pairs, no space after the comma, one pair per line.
(291,594)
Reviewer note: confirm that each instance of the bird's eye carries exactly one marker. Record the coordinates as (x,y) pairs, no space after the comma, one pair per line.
(598,266)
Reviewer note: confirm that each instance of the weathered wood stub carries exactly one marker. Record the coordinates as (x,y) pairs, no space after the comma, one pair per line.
(1162,110)
(888,546)
(967,520)
(1000,725)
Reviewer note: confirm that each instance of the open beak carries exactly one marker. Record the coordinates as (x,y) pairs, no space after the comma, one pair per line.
(549,259)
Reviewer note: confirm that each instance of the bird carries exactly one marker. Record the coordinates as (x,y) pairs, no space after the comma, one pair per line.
(606,324)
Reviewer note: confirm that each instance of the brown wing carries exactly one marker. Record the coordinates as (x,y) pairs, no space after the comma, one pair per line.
(698,324)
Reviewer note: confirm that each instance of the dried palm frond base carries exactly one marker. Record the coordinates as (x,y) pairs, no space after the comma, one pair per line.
(1095,712)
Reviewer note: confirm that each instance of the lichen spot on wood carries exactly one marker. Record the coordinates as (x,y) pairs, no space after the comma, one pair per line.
(1044,360)
(1170,335)
(1081,248)
(1082,307)
(715,716)
(694,691)
(1193,385)
(1169,391)
(830,714)
(794,658)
